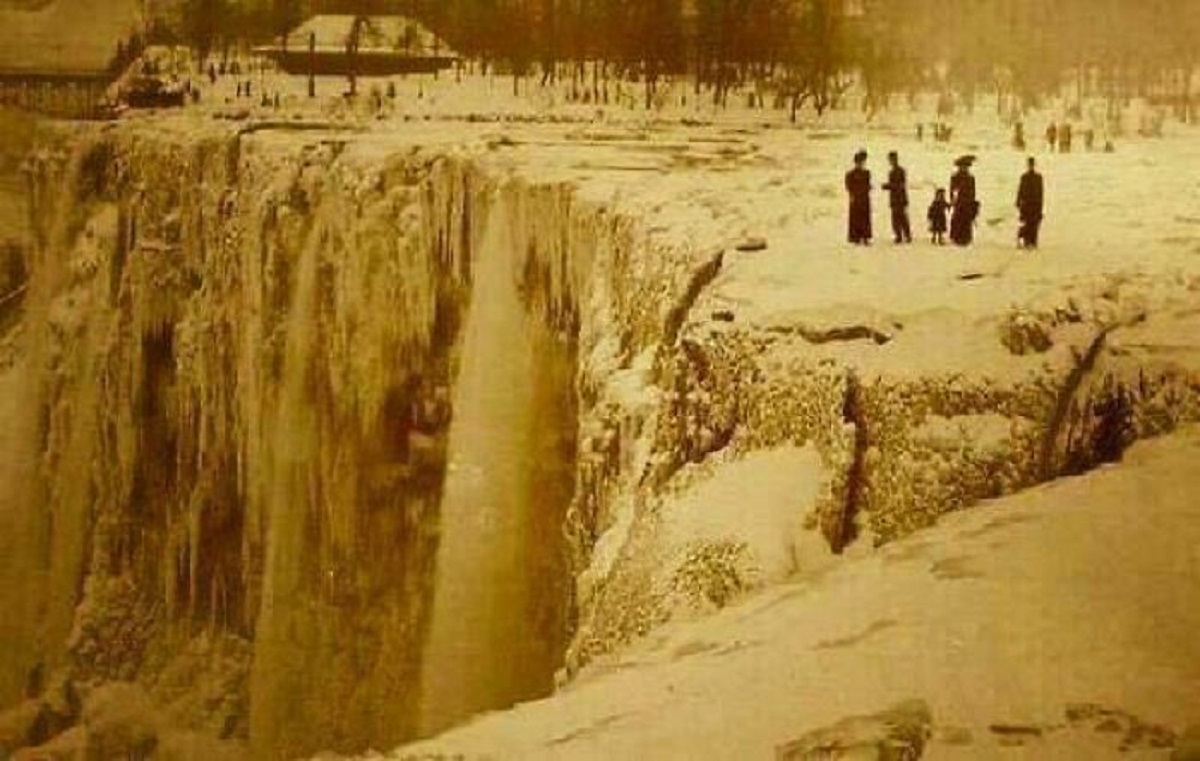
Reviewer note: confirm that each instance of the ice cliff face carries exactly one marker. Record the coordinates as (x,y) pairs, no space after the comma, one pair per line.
(265,385)
(328,442)
(248,369)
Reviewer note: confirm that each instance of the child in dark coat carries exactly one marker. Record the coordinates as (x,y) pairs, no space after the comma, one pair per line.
(937,216)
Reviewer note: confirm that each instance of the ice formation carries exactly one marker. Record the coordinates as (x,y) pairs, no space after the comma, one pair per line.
(330,443)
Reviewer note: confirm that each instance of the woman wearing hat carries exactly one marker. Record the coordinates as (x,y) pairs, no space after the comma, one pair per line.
(858,186)
(963,203)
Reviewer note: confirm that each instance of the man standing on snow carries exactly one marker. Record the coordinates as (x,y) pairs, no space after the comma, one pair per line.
(1030,203)
(858,186)
(897,188)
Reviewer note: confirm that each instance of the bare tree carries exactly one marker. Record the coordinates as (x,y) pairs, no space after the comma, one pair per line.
(815,70)
(202,24)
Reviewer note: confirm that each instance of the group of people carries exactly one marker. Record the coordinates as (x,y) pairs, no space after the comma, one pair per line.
(1060,138)
(955,214)
(940,131)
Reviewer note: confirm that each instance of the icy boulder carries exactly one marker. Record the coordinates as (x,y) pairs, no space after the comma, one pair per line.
(740,526)
(1023,333)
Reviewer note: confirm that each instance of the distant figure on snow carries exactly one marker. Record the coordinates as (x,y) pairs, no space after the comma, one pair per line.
(963,202)
(938,212)
(858,186)
(1030,203)
(1052,137)
(897,188)
(1064,138)
(1018,139)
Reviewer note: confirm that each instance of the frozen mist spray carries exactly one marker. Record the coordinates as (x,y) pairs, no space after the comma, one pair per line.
(488,645)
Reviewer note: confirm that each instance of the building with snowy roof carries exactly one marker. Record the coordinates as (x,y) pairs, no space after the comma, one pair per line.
(60,57)
(337,44)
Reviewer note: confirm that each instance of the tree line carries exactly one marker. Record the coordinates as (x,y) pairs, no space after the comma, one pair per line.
(805,52)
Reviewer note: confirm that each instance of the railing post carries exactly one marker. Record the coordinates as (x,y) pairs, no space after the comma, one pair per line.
(312,64)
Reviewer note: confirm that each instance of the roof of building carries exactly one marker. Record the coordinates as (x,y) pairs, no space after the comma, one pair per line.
(64,35)
(392,34)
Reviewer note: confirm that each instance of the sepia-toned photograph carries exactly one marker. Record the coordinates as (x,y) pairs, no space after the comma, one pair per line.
(458,380)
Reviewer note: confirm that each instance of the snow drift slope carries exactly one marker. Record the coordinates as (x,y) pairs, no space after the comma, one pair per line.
(1016,624)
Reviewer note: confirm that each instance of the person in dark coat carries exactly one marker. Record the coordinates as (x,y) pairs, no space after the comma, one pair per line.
(938,211)
(897,188)
(858,186)
(963,203)
(1030,203)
